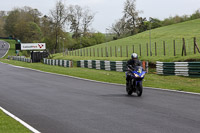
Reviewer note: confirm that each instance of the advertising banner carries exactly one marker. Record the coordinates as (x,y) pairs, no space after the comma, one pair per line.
(33,46)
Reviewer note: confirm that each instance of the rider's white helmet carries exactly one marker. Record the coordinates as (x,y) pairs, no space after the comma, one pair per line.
(134,56)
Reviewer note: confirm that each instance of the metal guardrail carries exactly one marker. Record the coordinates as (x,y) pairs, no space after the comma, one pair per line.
(119,66)
(191,69)
(63,63)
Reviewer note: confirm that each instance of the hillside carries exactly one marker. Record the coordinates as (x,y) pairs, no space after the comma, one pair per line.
(187,30)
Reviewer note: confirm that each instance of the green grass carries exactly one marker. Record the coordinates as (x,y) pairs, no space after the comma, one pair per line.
(9,125)
(151,80)
(186,30)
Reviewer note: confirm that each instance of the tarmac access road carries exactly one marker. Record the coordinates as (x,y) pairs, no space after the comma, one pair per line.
(4,47)
(57,104)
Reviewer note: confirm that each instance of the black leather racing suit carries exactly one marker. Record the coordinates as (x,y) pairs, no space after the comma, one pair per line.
(132,63)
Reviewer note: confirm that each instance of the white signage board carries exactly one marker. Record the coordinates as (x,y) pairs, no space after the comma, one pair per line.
(33,46)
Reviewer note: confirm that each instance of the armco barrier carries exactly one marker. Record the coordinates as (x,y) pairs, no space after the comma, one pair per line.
(119,66)
(20,58)
(191,69)
(63,63)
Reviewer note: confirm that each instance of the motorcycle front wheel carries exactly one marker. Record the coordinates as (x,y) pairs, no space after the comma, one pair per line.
(129,89)
(139,89)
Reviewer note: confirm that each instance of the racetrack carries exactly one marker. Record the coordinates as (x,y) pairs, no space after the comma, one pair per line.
(4,47)
(52,103)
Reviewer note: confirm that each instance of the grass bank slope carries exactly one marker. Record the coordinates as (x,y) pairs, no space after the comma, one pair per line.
(187,30)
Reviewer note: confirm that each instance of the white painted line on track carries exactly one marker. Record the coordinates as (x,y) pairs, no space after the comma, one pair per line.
(192,93)
(185,92)
(7,50)
(20,121)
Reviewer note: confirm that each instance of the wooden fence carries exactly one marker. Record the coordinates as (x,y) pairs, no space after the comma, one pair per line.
(182,47)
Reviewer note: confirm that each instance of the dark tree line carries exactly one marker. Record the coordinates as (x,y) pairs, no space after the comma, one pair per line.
(29,25)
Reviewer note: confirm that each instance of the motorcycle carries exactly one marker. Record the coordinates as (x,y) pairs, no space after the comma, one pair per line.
(134,84)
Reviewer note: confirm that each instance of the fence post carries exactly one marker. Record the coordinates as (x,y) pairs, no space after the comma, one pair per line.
(126,50)
(121,51)
(140,50)
(101,52)
(110,51)
(115,51)
(164,47)
(174,48)
(155,49)
(94,52)
(97,52)
(84,52)
(106,51)
(133,49)
(184,48)
(194,45)
(90,52)
(147,50)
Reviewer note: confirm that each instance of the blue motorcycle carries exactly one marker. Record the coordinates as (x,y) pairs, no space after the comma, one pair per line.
(134,83)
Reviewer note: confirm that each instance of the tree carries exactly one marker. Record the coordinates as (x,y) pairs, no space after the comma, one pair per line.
(119,28)
(155,23)
(18,19)
(195,15)
(74,18)
(11,21)
(131,16)
(142,24)
(28,31)
(79,20)
(59,17)
(88,17)
(2,22)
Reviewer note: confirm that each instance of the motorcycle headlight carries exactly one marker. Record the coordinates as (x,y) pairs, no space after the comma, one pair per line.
(142,75)
(136,75)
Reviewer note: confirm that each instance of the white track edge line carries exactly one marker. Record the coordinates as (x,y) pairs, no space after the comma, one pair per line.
(185,92)
(20,121)
(7,50)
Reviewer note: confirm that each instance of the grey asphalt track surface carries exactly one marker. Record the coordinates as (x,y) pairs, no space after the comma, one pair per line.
(4,47)
(56,104)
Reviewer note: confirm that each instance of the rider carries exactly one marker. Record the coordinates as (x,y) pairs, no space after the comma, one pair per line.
(134,61)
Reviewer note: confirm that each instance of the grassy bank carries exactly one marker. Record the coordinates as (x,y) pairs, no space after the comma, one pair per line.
(151,80)
(187,30)
(9,125)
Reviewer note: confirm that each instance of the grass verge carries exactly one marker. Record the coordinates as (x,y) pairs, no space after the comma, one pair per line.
(9,125)
(151,80)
